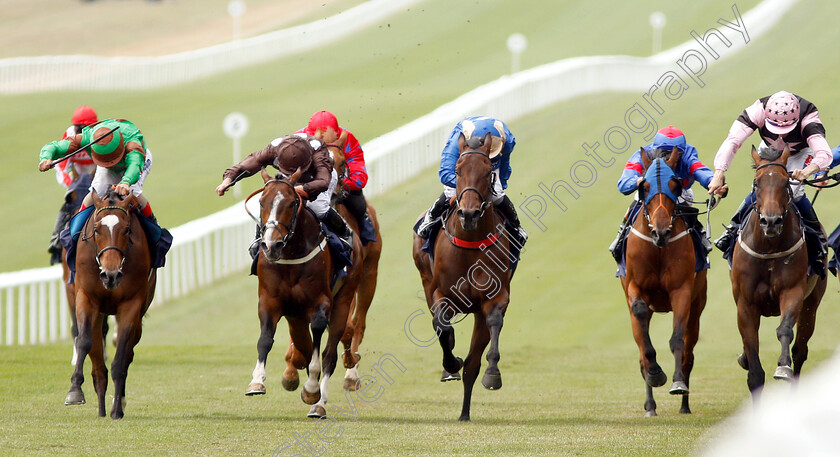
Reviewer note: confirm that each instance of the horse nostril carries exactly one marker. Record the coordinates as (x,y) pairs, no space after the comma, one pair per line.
(762,220)
(460,213)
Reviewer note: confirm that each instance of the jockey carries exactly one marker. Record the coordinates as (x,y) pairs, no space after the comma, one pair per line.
(73,173)
(500,151)
(324,126)
(316,183)
(782,119)
(689,169)
(122,160)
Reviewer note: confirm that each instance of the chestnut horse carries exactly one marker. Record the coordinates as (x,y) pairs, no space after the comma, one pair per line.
(356,322)
(661,278)
(294,272)
(466,275)
(113,277)
(770,274)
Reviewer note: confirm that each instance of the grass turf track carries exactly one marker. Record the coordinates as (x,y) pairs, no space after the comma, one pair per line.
(568,359)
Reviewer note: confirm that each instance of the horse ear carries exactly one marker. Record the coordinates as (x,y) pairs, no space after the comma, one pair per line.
(756,158)
(295,176)
(674,159)
(487,144)
(96,200)
(645,159)
(131,202)
(785,155)
(265,175)
(462,142)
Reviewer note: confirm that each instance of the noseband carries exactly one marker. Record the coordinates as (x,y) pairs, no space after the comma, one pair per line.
(485,203)
(659,188)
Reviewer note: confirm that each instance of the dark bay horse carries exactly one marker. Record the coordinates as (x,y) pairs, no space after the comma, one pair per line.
(466,277)
(357,319)
(113,277)
(661,278)
(770,274)
(294,271)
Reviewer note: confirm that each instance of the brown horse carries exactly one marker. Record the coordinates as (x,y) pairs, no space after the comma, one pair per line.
(770,274)
(661,278)
(466,275)
(113,277)
(357,319)
(294,271)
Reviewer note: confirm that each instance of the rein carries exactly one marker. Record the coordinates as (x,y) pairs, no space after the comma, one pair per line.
(109,247)
(485,203)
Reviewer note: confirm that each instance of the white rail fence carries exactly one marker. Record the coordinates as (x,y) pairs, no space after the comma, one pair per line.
(212,247)
(82,72)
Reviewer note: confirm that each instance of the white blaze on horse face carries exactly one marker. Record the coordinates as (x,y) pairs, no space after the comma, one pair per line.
(110,221)
(272,217)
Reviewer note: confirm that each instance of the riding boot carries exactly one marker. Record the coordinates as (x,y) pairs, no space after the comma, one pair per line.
(725,241)
(339,226)
(64,215)
(810,219)
(254,247)
(618,242)
(506,207)
(435,211)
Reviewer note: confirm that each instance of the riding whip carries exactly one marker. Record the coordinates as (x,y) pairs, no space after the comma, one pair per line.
(71,154)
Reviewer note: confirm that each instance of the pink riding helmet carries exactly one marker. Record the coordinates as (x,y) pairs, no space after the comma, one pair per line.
(781,112)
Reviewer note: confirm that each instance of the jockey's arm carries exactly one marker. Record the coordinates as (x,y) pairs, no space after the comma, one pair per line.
(247,167)
(55,149)
(822,158)
(357,176)
(323,174)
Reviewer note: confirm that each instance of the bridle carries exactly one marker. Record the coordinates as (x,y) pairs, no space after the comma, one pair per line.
(297,206)
(485,203)
(660,192)
(109,247)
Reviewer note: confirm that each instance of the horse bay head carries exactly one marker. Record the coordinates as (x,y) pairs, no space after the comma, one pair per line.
(474,180)
(772,191)
(111,235)
(660,189)
(280,205)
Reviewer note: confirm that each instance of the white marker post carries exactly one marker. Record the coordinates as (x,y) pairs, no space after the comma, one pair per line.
(657,21)
(235,127)
(236,9)
(516,43)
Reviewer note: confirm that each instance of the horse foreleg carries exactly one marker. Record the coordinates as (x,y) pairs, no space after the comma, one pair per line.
(492,379)
(446,337)
(268,325)
(692,334)
(805,328)
(130,328)
(790,304)
(294,361)
(347,337)
(86,314)
(653,375)
(748,323)
(99,371)
(472,365)
(681,308)
(319,321)
(364,298)
(338,320)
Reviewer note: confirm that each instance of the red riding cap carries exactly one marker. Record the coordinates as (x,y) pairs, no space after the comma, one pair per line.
(84,115)
(323,119)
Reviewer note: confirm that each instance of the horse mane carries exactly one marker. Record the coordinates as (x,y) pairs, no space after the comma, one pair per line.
(113,197)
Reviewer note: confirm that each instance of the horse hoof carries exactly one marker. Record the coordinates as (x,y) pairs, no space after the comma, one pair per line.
(75,397)
(678,388)
(464,418)
(317,412)
(742,361)
(290,384)
(447,376)
(651,413)
(255,388)
(656,379)
(310,398)
(784,373)
(491,381)
(350,385)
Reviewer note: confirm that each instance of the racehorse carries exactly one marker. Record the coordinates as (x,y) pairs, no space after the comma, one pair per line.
(770,274)
(113,277)
(466,275)
(356,322)
(661,278)
(294,272)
